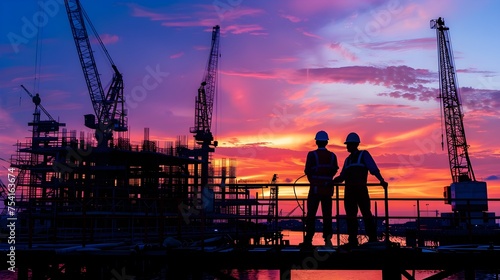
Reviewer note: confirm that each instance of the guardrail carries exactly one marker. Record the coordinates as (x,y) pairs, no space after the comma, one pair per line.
(415,213)
(160,215)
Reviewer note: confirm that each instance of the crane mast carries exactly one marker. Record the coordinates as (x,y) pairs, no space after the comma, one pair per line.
(203,115)
(460,165)
(109,108)
(206,94)
(465,193)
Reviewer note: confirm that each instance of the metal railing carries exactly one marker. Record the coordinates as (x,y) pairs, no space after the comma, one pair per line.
(470,222)
(157,216)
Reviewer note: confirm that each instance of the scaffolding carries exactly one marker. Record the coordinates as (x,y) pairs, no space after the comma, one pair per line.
(71,189)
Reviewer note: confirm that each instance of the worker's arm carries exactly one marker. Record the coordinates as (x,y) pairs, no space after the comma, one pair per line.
(372,167)
(309,164)
(341,177)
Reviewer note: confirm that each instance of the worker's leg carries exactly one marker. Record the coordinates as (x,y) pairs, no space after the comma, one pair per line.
(312,208)
(368,220)
(326,209)
(351,211)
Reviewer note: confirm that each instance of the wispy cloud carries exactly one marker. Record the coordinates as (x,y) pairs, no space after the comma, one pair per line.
(285,59)
(138,11)
(239,12)
(418,43)
(248,74)
(387,76)
(345,52)
(204,15)
(106,39)
(308,34)
(480,101)
(177,55)
(291,18)
(253,29)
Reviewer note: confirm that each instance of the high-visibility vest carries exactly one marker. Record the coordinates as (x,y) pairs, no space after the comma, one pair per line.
(355,172)
(323,171)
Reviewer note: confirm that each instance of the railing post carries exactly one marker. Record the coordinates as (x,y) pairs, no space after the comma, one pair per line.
(276,214)
(418,225)
(337,213)
(386,202)
(304,201)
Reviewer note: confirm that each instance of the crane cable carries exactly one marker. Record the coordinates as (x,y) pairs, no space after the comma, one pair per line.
(38,59)
(295,193)
(101,43)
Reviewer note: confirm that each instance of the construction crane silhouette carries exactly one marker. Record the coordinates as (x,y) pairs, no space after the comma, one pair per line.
(465,194)
(204,108)
(40,126)
(273,196)
(38,102)
(109,109)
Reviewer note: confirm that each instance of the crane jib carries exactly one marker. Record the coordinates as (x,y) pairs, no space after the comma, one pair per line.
(459,162)
(206,92)
(465,194)
(110,114)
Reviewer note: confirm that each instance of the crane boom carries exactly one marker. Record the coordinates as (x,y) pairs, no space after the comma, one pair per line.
(460,165)
(207,92)
(465,194)
(203,112)
(85,54)
(109,107)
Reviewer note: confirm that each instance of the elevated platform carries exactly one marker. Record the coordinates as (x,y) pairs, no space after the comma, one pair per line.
(99,261)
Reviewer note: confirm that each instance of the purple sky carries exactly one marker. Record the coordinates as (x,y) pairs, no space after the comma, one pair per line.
(287,70)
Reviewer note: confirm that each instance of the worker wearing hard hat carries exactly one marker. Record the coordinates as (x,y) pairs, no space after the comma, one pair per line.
(355,174)
(321,165)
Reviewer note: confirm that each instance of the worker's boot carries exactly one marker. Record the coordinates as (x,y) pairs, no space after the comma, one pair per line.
(328,241)
(307,244)
(372,239)
(352,243)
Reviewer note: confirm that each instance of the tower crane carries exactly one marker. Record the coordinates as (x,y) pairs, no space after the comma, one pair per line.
(108,107)
(465,194)
(40,126)
(273,195)
(204,107)
(37,100)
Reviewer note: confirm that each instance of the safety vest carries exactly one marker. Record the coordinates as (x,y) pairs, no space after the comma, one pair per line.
(355,171)
(323,171)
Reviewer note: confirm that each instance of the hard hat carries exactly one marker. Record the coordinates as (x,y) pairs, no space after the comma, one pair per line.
(321,136)
(352,138)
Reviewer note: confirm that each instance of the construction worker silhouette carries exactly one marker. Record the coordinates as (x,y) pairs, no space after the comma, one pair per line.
(355,174)
(321,165)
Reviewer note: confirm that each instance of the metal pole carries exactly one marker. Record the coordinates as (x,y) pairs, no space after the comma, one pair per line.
(337,213)
(386,202)
(276,217)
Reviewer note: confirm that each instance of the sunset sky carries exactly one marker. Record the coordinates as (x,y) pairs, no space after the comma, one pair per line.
(287,70)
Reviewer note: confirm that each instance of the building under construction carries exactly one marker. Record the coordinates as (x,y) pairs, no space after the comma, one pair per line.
(100,186)
(71,189)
